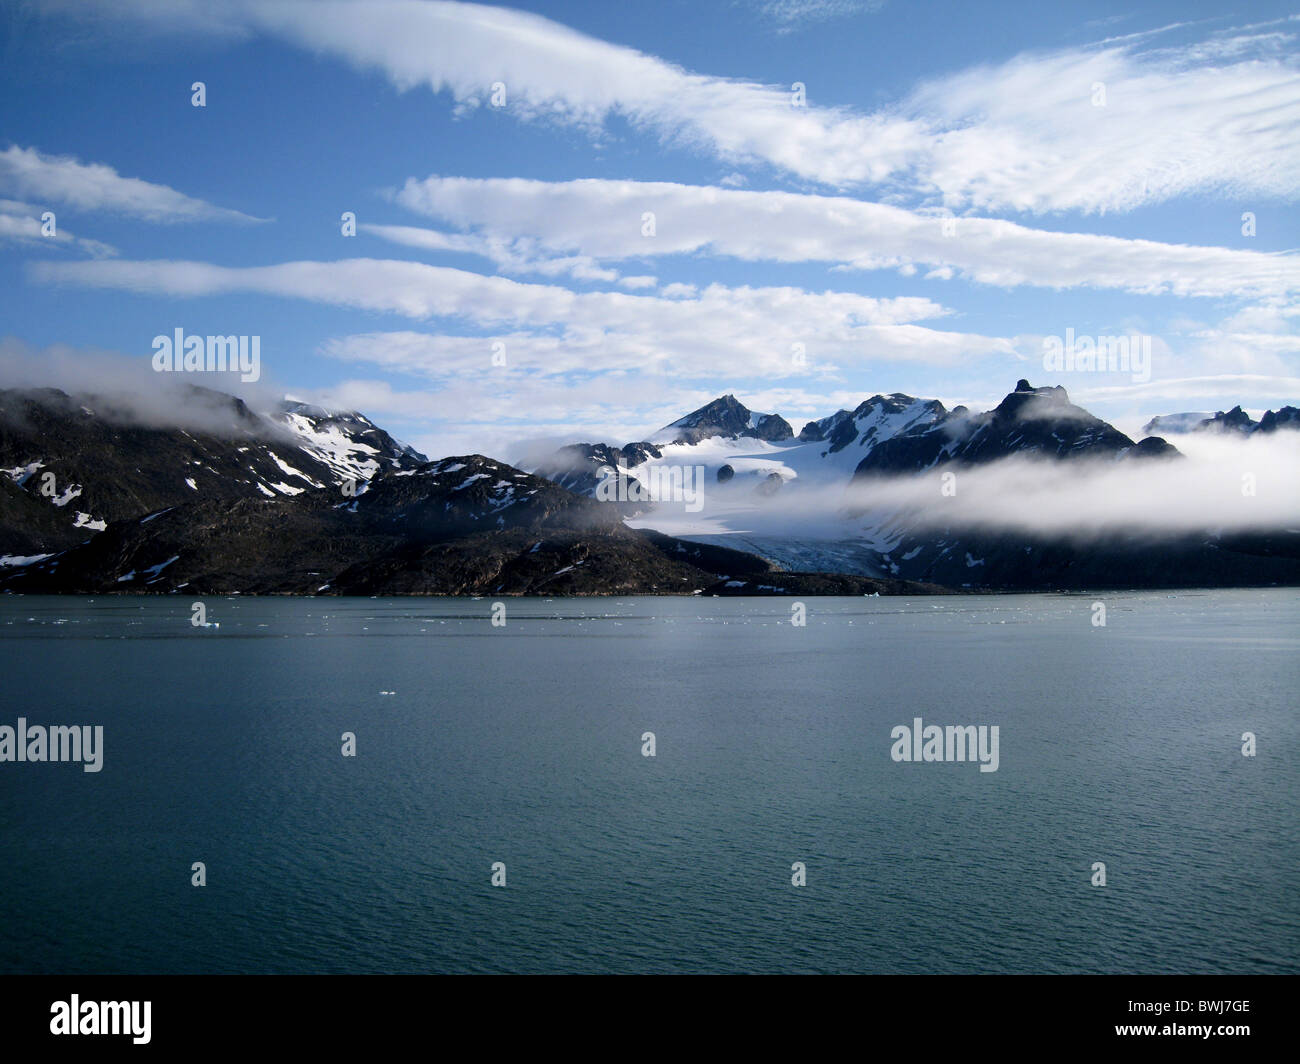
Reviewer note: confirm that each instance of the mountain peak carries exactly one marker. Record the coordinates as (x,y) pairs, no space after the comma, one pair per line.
(1027,397)
(1235,420)
(725,416)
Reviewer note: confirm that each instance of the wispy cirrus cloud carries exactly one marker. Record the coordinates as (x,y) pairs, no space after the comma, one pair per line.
(1111,128)
(787,16)
(21,223)
(599,221)
(1267,390)
(513,255)
(66,181)
(1218,115)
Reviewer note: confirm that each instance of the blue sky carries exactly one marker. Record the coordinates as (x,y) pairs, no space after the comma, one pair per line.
(1095,163)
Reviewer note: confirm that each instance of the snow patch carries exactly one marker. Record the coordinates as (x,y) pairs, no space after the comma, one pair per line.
(19,560)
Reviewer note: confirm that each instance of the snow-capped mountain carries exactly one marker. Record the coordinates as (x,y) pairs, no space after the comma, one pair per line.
(886,434)
(850,437)
(308,501)
(798,502)
(1039,422)
(467,525)
(70,465)
(725,416)
(744,450)
(348,443)
(581,467)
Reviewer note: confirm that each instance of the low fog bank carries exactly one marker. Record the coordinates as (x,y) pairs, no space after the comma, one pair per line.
(1224,483)
(1228,483)
(128,391)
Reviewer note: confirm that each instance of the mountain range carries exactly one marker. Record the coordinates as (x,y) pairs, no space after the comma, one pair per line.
(95,498)
(1234,420)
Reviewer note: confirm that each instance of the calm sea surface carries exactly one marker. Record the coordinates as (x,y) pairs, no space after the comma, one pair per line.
(523,744)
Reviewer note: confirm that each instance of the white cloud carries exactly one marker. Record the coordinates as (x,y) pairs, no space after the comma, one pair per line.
(21,224)
(1034,134)
(720,330)
(494,414)
(600,221)
(1199,492)
(1269,390)
(791,15)
(509,255)
(64,180)
(1215,116)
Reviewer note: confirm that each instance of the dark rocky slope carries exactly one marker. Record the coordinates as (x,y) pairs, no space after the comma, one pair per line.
(68,465)
(461,526)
